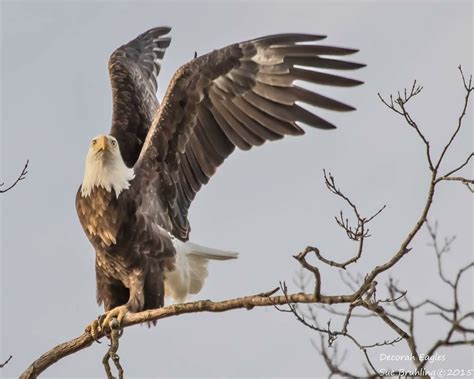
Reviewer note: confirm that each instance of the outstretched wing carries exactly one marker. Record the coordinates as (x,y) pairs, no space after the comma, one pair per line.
(241,95)
(133,69)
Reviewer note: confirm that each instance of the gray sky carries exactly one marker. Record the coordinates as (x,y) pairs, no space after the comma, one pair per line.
(268,203)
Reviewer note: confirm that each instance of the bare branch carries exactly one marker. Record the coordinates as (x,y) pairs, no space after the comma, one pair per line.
(384,343)
(332,335)
(301,258)
(440,251)
(401,101)
(111,354)
(248,302)
(415,90)
(468,87)
(358,233)
(365,296)
(465,181)
(461,166)
(6,362)
(18,179)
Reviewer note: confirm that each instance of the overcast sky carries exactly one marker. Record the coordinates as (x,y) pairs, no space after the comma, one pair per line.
(267,203)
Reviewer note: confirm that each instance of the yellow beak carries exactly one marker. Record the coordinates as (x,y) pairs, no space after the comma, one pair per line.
(101,143)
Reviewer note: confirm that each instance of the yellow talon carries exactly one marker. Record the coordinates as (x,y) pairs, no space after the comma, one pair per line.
(94,330)
(117,313)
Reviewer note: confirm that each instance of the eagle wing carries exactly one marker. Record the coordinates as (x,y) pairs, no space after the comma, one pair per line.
(238,96)
(133,69)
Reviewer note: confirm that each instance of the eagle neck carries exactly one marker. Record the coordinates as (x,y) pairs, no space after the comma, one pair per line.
(111,175)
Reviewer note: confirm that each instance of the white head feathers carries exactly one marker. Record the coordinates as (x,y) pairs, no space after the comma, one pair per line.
(105,167)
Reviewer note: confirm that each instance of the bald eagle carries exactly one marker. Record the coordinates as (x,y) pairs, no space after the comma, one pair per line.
(140,180)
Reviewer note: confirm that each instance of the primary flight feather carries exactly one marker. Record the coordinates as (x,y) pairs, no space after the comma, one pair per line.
(140,180)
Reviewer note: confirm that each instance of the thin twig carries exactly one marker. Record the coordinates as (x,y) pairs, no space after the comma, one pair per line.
(469,89)
(358,233)
(461,166)
(18,179)
(6,362)
(115,334)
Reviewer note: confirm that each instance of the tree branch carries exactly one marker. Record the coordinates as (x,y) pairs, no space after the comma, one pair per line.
(248,302)
(6,362)
(18,179)
(365,296)
(401,101)
(469,88)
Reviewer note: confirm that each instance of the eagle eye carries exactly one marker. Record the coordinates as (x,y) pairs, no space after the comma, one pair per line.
(94,142)
(114,143)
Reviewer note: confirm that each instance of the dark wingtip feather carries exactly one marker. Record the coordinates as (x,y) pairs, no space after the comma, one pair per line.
(286,38)
(347,108)
(318,77)
(161,29)
(309,118)
(349,65)
(320,62)
(332,50)
(350,51)
(163,42)
(154,32)
(321,125)
(311,50)
(349,82)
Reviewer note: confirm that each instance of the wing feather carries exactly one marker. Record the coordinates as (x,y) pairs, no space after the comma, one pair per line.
(210,128)
(239,96)
(215,159)
(133,69)
(230,133)
(252,125)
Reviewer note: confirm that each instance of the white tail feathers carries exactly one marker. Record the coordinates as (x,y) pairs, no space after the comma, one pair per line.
(190,271)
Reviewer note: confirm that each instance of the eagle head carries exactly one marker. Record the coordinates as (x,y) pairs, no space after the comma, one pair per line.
(105,167)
